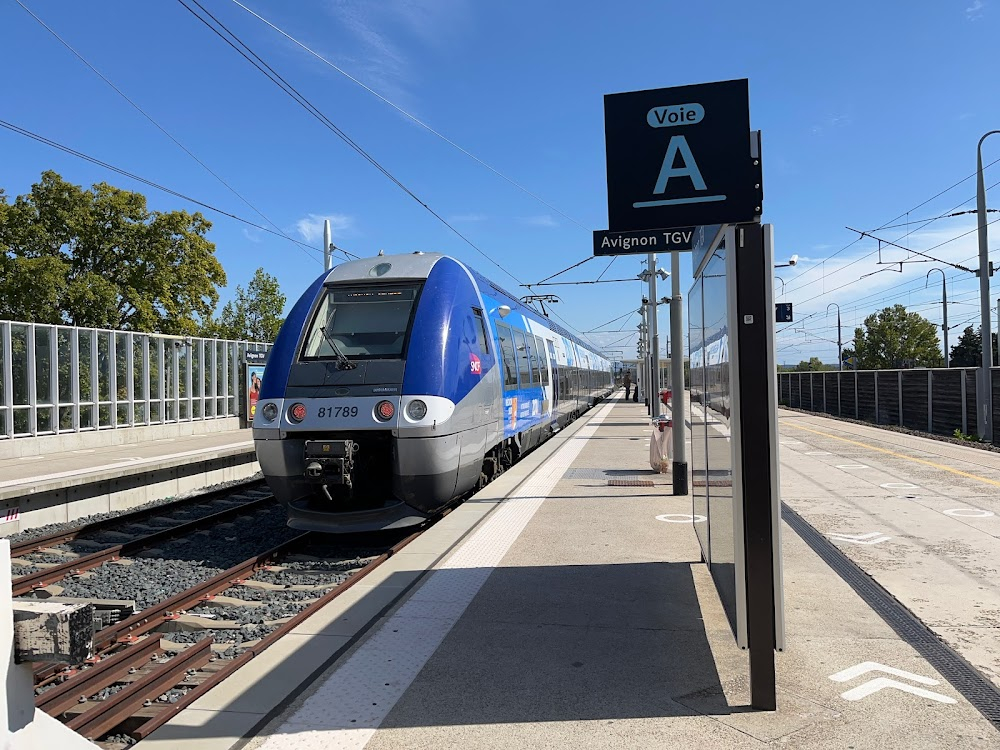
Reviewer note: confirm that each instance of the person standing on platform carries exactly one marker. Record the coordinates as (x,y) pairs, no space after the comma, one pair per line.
(628,383)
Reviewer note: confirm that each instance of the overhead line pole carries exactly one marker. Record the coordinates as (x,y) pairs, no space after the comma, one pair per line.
(654,342)
(944,310)
(985,400)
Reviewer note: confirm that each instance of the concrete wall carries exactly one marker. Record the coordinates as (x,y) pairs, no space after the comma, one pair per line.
(68,441)
(124,491)
(25,727)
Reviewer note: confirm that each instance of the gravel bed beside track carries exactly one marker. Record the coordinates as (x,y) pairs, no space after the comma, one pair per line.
(158,574)
(52,528)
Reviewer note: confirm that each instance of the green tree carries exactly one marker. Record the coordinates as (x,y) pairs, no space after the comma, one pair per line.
(255,313)
(813,365)
(969,349)
(968,352)
(100,258)
(895,338)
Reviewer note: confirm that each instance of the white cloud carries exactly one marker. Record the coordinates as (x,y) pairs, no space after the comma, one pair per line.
(544,220)
(467,218)
(387,29)
(253,235)
(833,122)
(975,10)
(310,227)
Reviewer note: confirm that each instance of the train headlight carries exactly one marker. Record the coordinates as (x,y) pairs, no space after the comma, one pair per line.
(297,413)
(270,412)
(384,411)
(416,410)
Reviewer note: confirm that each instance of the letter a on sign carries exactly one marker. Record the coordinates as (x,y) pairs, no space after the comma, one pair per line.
(689,168)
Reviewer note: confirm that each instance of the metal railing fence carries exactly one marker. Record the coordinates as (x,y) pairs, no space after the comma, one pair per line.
(939,400)
(57,379)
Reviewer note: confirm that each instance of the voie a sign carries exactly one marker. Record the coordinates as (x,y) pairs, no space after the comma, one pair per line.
(680,157)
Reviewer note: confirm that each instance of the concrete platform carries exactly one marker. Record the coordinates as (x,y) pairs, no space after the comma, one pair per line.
(554,610)
(54,481)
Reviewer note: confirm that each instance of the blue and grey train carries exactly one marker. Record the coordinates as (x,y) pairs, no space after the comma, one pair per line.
(399,384)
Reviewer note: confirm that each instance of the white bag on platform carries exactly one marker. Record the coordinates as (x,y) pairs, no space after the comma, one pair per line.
(661,447)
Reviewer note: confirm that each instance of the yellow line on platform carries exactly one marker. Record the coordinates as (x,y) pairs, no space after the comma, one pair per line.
(994,482)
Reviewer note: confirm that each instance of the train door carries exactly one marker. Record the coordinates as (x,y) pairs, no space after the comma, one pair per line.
(555,375)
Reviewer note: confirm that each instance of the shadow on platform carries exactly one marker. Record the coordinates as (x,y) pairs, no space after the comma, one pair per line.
(536,644)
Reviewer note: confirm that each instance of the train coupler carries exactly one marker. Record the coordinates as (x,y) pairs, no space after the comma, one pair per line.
(330,461)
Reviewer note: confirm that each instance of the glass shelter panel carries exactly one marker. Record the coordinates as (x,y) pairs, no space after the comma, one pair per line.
(718,450)
(711,450)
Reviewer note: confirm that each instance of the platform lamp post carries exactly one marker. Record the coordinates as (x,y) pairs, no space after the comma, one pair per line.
(677,405)
(985,410)
(649,275)
(840,355)
(778,278)
(944,308)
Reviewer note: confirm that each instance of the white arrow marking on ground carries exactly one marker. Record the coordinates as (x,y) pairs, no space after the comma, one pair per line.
(680,518)
(873,666)
(873,686)
(859,539)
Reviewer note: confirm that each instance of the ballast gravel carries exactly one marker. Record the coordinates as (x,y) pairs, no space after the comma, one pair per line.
(53,528)
(151,577)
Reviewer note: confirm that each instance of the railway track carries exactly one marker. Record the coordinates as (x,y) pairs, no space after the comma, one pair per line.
(34,544)
(153,664)
(76,565)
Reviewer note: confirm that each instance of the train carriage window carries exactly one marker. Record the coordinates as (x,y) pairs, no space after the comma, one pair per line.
(543,360)
(523,359)
(507,355)
(535,354)
(481,336)
(361,322)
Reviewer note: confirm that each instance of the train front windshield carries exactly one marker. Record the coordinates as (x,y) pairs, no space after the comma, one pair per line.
(362,323)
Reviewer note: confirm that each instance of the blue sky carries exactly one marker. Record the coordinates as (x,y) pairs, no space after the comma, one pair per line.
(867,110)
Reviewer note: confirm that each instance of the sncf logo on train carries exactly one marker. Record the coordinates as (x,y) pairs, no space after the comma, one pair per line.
(475,365)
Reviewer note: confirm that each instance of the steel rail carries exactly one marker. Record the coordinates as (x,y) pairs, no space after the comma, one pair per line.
(103,674)
(105,715)
(68,535)
(25,584)
(253,651)
(142,622)
(128,630)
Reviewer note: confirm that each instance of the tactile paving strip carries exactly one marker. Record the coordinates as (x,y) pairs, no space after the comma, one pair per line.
(346,710)
(965,678)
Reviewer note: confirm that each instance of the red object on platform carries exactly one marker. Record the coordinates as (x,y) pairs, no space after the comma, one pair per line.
(665,396)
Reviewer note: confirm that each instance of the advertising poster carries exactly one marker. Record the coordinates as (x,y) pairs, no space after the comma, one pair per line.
(255,376)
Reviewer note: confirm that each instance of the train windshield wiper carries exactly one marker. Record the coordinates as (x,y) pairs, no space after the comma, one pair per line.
(342,360)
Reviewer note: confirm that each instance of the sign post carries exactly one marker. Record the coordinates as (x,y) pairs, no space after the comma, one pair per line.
(684,175)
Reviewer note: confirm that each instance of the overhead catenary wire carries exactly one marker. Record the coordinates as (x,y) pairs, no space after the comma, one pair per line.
(886,225)
(409,116)
(152,184)
(265,69)
(158,126)
(850,283)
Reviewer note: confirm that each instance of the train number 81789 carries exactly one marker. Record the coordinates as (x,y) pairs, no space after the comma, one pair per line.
(332,412)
